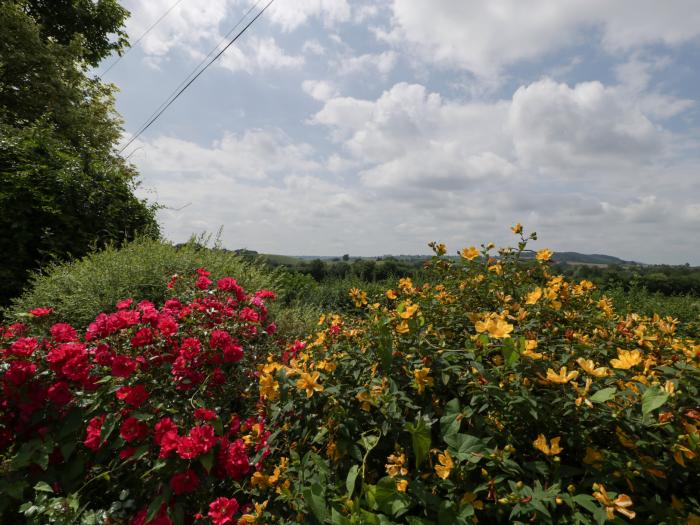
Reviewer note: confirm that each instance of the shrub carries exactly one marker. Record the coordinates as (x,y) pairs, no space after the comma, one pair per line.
(77,291)
(498,392)
(147,416)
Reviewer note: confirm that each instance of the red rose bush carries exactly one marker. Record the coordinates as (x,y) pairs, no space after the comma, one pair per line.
(150,415)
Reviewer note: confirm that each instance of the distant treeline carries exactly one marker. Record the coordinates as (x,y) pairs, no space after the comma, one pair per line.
(665,279)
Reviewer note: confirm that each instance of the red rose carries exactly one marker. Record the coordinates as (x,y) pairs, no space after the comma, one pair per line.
(142,338)
(221,510)
(204,414)
(132,429)
(41,312)
(133,395)
(236,461)
(203,283)
(233,353)
(59,393)
(184,482)
(23,347)
(123,366)
(94,429)
(219,339)
(124,304)
(63,333)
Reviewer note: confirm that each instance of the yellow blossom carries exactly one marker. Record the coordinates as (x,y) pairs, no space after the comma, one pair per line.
(309,383)
(551,449)
(364,399)
(440,249)
(470,498)
(517,229)
(422,379)
(562,377)
(626,359)
(391,294)
(358,296)
(534,296)
(402,327)
(592,457)
(619,504)
(395,465)
(269,387)
(445,465)
(406,284)
(401,485)
(470,253)
(544,255)
(409,311)
(589,367)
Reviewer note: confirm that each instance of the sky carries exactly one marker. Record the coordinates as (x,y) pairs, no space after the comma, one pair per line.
(373,128)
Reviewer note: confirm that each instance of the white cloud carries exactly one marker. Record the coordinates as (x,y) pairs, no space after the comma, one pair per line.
(314,47)
(254,155)
(291,15)
(589,125)
(382,63)
(483,37)
(319,89)
(258,54)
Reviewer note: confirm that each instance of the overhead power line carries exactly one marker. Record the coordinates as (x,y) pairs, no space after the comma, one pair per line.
(172,99)
(132,46)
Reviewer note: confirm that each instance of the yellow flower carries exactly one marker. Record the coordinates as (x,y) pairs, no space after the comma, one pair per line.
(406,284)
(562,377)
(440,249)
(401,485)
(592,457)
(391,294)
(619,504)
(534,296)
(470,253)
(269,387)
(402,327)
(626,359)
(259,480)
(309,383)
(364,399)
(422,379)
(469,498)
(251,518)
(358,296)
(395,466)
(530,345)
(500,329)
(589,367)
(552,449)
(517,229)
(409,311)
(446,464)
(544,255)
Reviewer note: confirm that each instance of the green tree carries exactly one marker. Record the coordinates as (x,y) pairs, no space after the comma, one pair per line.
(63,188)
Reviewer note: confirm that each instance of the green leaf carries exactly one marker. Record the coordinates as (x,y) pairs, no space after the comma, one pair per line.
(350,480)
(315,498)
(389,500)
(207,460)
(420,438)
(42,486)
(338,519)
(604,394)
(652,399)
(511,355)
(155,505)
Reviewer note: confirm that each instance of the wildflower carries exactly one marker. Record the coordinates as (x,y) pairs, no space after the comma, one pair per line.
(221,510)
(401,485)
(94,429)
(528,351)
(619,504)
(533,296)
(132,429)
(551,449)
(445,465)
(402,327)
(391,294)
(358,296)
(395,466)
(132,395)
(309,383)
(364,399)
(409,311)
(269,387)
(422,379)
(562,377)
(517,229)
(470,498)
(626,359)
(588,366)
(41,312)
(470,253)
(440,249)
(544,255)
(406,284)
(593,457)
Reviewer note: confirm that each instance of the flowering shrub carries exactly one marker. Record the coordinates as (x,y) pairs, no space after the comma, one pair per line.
(147,417)
(496,393)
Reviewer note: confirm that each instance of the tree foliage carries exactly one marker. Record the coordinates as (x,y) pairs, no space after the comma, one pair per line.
(63,188)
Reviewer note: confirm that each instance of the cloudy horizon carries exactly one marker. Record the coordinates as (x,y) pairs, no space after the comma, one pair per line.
(373,128)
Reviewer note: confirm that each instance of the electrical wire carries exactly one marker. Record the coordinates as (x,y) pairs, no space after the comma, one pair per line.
(197,71)
(132,46)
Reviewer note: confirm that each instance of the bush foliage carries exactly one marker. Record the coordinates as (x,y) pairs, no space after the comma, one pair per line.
(495,393)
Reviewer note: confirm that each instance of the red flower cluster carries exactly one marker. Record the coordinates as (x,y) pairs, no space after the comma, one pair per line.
(135,386)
